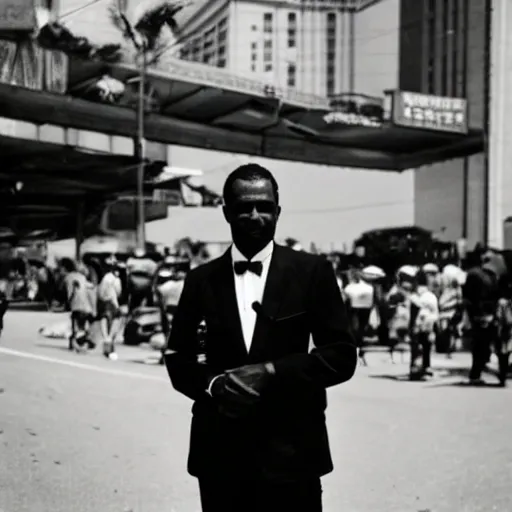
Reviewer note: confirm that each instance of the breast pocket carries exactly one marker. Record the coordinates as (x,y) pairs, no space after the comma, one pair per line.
(297,316)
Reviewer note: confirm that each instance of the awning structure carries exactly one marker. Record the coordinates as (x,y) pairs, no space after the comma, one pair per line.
(196,105)
(51,177)
(66,134)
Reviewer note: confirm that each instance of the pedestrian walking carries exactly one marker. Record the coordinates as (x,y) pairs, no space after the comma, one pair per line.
(109,312)
(258,437)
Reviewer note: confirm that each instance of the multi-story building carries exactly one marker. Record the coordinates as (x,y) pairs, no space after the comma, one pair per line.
(444,51)
(307,45)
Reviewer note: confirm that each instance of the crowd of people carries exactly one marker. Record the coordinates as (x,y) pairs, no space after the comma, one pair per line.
(427,307)
(109,291)
(420,308)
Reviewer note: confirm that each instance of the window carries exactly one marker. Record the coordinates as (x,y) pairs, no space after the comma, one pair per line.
(292,39)
(267,53)
(455,34)
(254,57)
(331,52)
(253,67)
(267,22)
(431,48)
(254,46)
(292,75)
(292,30)
(446,36)
(222,36)
(221,63)
(268,67)
(254,28)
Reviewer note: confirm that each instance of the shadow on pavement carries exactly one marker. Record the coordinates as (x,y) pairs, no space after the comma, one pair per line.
(444,377)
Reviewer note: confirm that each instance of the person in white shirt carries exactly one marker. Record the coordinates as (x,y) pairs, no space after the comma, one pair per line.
(258,437)
(109,294)
(360,301)
(424,318)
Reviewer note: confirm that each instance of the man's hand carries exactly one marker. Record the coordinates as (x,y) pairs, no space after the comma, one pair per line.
(251,380)
(238,390)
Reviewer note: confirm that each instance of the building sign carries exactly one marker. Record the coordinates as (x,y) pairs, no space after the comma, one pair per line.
(356,110)
(438,113)
(17,15)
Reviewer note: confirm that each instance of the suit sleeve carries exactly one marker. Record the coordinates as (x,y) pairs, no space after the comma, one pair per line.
(187,375)
(334,358)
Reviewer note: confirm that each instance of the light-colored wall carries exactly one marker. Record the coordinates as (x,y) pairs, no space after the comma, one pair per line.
(326,205)
(439,192)
(377,38)
(309,54)
(500,157)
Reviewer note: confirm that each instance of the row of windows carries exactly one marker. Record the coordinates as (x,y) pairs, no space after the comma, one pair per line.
(446,25)
(210,47)
(331,52)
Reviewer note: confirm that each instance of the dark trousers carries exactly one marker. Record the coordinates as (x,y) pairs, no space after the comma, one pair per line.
(482,339)
(4,303)
(257,496)
(421,348)
(360,321)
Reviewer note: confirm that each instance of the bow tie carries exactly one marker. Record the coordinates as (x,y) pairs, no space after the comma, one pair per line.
(241,267)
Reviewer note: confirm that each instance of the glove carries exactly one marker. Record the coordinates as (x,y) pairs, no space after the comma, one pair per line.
(237,391)
(251,380)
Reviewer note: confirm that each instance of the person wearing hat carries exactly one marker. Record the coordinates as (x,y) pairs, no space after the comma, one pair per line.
(109,294)
(481,292)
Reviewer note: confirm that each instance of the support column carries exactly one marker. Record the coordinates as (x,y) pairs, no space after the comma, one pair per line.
(500,150)
(79,229)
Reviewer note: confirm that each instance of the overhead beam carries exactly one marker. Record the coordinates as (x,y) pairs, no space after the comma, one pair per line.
(38,107)
(468,146)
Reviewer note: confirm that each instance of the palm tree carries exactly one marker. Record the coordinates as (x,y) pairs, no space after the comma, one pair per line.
(145,35)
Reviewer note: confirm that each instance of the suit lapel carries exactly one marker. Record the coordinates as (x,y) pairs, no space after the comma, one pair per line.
(273,295)
(224,289)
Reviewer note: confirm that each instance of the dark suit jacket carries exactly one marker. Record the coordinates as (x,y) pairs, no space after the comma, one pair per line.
(285,437)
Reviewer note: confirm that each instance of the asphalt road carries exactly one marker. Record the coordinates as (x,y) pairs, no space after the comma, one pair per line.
(84,434)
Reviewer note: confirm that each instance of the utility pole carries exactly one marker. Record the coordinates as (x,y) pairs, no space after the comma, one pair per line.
(140,151)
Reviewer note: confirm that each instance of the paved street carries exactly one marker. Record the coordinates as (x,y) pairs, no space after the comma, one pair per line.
(83,434)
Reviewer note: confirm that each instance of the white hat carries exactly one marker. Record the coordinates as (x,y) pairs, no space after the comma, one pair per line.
(431,268)
(372,272)
(454,273)
(408,270)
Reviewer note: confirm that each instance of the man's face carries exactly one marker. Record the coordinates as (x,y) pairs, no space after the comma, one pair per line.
(252,213)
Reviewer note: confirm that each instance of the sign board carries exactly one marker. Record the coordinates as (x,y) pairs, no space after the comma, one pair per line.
(216,77)
(415,110)
(355,109)
(17,15)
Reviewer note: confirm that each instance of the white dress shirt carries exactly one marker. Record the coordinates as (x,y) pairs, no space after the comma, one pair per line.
(249,288)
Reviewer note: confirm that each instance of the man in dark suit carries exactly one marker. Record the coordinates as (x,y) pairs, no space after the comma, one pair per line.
(258,435)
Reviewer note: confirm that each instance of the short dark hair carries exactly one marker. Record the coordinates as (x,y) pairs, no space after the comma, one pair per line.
(68,264)
(421,278)
(248,172)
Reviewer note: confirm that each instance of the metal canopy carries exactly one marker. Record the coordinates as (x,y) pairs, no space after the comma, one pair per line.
(196,105)
(44,185)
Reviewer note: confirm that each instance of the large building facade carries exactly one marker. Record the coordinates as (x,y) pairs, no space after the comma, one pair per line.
(443,51)
(307,45)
